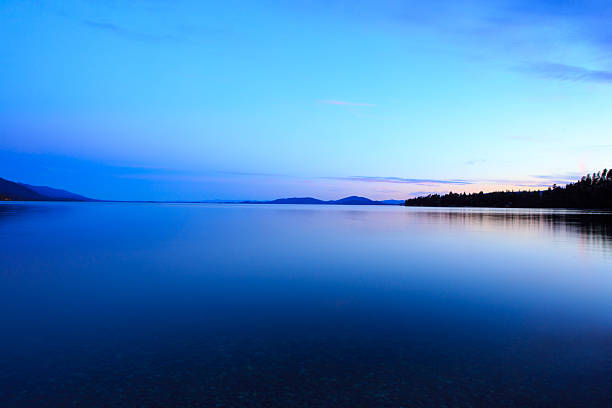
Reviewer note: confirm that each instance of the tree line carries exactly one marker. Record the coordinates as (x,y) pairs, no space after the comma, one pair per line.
(593,191)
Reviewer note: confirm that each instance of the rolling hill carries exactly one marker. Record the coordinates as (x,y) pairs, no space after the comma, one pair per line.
(12,191)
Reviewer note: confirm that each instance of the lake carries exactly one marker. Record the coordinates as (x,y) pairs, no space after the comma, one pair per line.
(214,305)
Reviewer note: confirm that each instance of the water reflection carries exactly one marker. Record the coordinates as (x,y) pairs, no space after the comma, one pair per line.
(10,211)
(593,229)
(110,304)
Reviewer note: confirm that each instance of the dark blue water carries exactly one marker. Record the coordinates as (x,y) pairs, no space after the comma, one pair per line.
(153,305)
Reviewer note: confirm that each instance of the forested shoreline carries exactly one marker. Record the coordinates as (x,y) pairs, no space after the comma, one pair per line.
(593,191)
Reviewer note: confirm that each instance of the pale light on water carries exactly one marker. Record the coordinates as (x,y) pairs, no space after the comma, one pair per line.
(109,304)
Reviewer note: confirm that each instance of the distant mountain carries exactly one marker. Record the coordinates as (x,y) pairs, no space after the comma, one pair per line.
(11,191)
(352,200)
(355,200)
(393,202)
(56,193)
(16,192)
(296,200)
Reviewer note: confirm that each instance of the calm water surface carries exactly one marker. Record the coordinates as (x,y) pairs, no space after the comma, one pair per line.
(158,305)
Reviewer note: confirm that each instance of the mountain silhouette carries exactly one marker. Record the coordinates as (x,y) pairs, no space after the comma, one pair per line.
(56,193)
(296,200)
(351,200)
(355,200)
(12,191)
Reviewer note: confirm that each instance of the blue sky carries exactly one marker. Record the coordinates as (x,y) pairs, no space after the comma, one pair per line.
(257,100)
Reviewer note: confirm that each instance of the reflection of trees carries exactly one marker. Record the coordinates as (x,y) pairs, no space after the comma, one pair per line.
(14,211)
(594,229)
(7,210)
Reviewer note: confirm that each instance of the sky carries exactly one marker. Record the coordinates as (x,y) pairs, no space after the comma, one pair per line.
(202,100)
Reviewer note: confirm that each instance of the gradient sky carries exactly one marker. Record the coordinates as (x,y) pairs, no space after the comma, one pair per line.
(194,100)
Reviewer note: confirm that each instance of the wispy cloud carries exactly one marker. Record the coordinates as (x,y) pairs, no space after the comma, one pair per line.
(559,178)
(401,180)
(535,181)
(564,72)
(129,33)
(345,103)
(420,193)
(509,32)
(159,173)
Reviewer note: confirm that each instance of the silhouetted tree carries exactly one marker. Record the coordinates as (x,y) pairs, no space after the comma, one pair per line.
(591,191)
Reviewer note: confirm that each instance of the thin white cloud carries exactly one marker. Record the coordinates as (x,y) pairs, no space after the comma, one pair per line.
(564,72)
(401,180)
